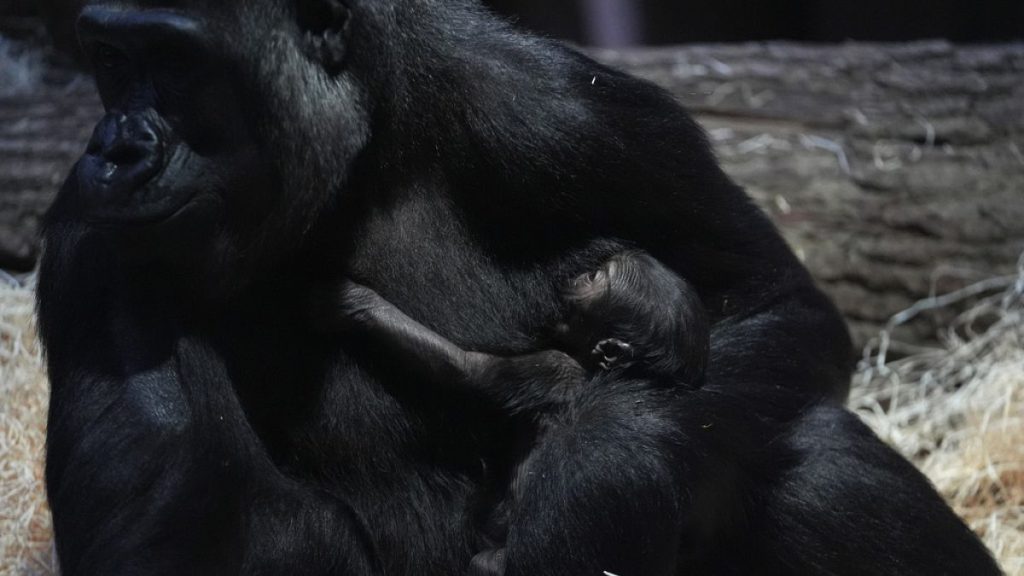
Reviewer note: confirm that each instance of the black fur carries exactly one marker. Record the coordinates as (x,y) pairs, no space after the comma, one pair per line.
(634,313)
(200,424)
(565,408)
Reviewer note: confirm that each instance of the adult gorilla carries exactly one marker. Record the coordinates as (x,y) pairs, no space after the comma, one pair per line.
(256,151)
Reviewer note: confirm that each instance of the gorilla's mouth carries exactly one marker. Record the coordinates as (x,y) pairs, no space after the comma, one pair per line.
(132,171)
(126,187)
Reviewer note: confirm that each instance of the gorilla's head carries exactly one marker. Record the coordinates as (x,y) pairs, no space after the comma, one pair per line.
(231,127)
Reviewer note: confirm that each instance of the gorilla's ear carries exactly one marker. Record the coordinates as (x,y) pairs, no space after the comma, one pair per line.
(324,24)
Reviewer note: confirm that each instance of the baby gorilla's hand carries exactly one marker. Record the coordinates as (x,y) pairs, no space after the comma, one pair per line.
(612,352)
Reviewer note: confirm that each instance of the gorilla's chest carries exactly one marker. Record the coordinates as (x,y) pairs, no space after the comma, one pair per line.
(484,290)
(421,256)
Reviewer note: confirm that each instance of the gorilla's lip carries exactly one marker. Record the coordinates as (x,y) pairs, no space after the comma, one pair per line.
(114,202)
(149,204)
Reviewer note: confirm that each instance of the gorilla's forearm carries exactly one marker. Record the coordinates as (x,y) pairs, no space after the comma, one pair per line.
(517,384)
(395,335)
(149,451)
(166,471)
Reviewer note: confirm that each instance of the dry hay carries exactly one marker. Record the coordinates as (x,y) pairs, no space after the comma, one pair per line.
(957,412)
(25,544)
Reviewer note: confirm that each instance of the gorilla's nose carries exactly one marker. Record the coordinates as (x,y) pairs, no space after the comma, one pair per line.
(124,153)
(125,141)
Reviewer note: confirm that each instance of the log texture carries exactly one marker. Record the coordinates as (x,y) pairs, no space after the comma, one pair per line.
(892,170)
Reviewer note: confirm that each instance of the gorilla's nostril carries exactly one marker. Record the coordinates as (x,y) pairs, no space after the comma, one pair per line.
(146,135)
(124,154)
(127,154)
(126,140)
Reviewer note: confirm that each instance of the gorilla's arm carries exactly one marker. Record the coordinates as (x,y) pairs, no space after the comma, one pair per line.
(585,152)
(152,465)
(516,384)
(277,152)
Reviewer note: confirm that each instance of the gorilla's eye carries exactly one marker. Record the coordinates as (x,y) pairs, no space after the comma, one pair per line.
(109,58)
(586,279)
(173,70)
(318,16)
(325,23)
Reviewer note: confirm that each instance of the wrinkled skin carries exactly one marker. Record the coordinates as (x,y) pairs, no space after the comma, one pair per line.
(255,150)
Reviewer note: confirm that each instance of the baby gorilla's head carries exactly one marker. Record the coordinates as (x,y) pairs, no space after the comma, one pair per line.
(635,312)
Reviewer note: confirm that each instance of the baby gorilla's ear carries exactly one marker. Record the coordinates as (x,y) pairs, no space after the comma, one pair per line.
(612,352)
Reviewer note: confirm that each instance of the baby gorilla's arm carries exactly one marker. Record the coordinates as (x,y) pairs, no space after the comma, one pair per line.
(517,384)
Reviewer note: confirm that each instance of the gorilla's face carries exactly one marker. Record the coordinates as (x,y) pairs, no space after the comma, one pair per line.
(173,134)
(228,129)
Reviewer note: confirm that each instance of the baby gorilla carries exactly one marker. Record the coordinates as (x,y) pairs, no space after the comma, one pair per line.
(598,410)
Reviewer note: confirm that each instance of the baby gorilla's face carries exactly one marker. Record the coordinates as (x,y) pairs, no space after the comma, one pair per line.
(635,311)
(596,302)
(589,288)
(617,282)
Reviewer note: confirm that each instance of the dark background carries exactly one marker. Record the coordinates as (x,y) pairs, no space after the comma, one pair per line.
(614,23)
(623,22)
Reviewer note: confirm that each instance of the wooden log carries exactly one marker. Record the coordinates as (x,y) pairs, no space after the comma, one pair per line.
(893,170)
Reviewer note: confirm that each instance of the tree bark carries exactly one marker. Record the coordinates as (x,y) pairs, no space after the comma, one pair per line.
(893,170)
